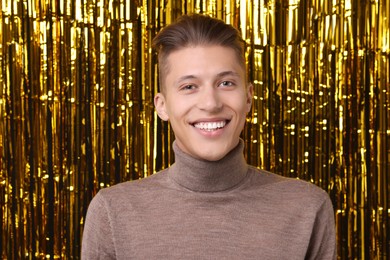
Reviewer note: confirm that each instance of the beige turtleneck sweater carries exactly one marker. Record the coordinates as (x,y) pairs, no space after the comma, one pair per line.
(210,210)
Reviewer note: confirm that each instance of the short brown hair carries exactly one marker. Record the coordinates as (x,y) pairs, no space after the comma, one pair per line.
(194,30)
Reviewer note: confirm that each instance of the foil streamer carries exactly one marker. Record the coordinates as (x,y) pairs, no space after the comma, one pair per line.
(77,83)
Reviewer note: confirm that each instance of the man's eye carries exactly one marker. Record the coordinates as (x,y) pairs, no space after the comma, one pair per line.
(226,83)
(188,87)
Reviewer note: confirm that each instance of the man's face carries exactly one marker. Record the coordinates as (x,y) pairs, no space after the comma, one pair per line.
(205,100)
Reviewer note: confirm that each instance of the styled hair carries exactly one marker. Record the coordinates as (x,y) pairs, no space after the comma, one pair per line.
(196,30)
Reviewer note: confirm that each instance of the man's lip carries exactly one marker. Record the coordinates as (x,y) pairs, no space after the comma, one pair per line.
(215,124)
(209,120)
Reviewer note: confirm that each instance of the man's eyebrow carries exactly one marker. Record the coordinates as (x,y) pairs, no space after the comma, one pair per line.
(185,77)
(228,73)
(219,75)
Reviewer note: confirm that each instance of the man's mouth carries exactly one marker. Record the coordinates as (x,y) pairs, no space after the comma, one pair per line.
(211,126)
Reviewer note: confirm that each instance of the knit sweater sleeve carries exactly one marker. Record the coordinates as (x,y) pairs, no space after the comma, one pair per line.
(323,239)
(97,242)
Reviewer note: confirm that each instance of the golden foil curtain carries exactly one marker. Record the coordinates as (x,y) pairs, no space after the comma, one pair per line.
(76,113)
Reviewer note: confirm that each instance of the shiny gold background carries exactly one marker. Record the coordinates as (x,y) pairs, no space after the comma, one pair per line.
(76,86)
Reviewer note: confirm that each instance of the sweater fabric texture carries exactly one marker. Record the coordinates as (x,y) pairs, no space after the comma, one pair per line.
(199,209)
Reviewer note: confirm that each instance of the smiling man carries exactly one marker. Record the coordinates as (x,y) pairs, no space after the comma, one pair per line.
(205,100)
(210,204)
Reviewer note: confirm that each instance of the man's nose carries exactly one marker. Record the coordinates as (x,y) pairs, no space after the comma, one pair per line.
(210,100)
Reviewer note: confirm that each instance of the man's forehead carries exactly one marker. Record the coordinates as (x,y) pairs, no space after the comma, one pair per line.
(223,58)
(179,65)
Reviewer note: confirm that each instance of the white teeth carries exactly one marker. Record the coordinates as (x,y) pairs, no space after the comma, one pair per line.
(210,126)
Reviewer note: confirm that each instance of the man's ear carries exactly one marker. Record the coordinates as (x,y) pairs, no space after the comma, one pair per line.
(159,103)
(249,96)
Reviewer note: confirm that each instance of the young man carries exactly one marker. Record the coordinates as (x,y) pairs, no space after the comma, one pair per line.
(209,204)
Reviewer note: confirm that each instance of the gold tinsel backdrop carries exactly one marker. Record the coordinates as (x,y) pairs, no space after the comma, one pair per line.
(76,112)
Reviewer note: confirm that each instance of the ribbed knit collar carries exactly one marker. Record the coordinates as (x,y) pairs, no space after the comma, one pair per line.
(209,176)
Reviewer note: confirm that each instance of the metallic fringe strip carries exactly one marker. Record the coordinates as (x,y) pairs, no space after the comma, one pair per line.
(76,86)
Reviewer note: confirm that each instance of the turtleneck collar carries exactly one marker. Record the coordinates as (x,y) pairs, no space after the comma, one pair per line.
(209,176)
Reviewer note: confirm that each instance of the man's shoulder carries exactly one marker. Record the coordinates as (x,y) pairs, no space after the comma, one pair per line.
(287,186)
(135,188)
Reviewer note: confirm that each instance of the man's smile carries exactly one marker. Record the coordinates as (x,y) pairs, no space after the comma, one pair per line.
(211,126)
